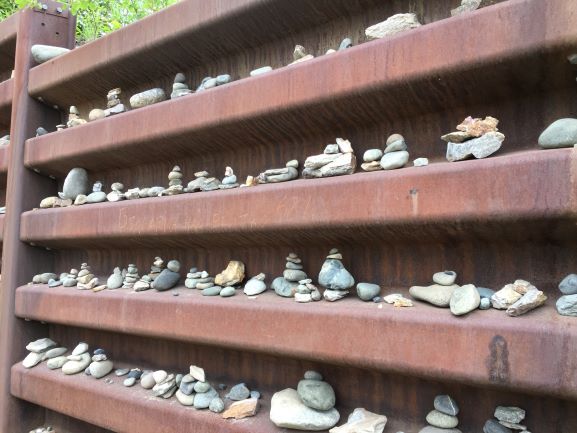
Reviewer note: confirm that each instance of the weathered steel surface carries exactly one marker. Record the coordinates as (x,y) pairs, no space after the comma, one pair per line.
(339,209)
(486,348)
(5,105)
(363,84)
(25,189)
(8,29)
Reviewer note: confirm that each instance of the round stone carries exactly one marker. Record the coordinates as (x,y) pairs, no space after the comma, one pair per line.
(255,395)
(227,292)
(239,392)
(80,349)
(567,305)
(254,287)
(445,278)
(393,160)
(101,368)
(173,265)
(394,137)
(485,293)
(372,155)
(184,399)
(129,381)
(569,285)
(159,376)
(396,146)
(316,394)
(187,387)
(216,405)
(201,387)
(485,304)
(147,381)
(202,400)
(212,291)
(313,375)
(368,291)
(445,404)
(561,133)
(166,280)
(121,371)
(441,420)
(76,183)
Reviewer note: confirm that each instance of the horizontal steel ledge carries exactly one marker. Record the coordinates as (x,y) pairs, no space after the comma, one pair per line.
(493,348)
(497,35)
(479,191)
(109,406)
(6,97)
(8,29)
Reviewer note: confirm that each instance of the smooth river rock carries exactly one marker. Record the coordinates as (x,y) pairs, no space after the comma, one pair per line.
(362,421)
(43,53)
(492,426)
(436,294)
(393,160)
(561,133)
(147,97)
(76,183)
(288,411)
(445,404)
(316,394)
(567,305)
(464,300)
(441,420)
(101,368)
(392,25)
(32,359)
(568,286)
(367,291)
(166,280)
(74,367)
(334,276)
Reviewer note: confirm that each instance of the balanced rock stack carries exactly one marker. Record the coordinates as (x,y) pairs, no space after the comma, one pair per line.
(145,283)
(362,421)
(40,350)
(162,384)
(518,298)
(131,277)
(203,182)
(394,156)
(508,420)
(392,25)
(567,304)
(168,278)
(70,279)
(337,159)
(334,277)
(210,82)
(86,279)
(444,418)
(300,55)
(245,402)
(307,292)
(113,104)
(156,268)
(287,285)
(97,195)
(100,365)
(116,194)
(78,361)
(255,286)
(115,280)
(275,175)
(194,390)
(474,137)
(310,407)
(174,182)
(229,179)
(179,87)
(199,280)
(74,118)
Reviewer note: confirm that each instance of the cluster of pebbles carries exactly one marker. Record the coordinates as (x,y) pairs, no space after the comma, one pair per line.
(394,156)
(567,303)
(478,138)
(223,284)
(337,159)
(295,283)
(508,419)
(443,419)
(334,277)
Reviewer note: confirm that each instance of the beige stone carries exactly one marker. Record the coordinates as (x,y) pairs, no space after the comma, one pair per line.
(232,275)
(532,299)
(505,297)
(242,409)
(392,25)
(362,421)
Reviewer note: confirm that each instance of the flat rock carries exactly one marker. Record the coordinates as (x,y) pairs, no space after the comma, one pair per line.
(57,362)
(74,367)
(367,291)
(197,373)
(445,404)
(344,163)
(561,133)
(445,278)
(567,305)
(288,411)
(242,409)
(362,421)
(464,300)
(492,426)
(431,429)
(334,295)
(532,299)
(510,414)
(392,25)
(44,53)
(436,294)
(441,420)
(393,160)
(147,97)
(101,368)
(57,351)
(80,349)
(32,359)
(481,147)
(316,394)
(568,286)
(41,345)
(505,297)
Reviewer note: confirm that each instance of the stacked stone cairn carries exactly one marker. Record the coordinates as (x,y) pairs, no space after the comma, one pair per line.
(203,182)
(39,351)
(229,179)
(508,420)
(310,407)
(287,286)
(394,156)
(168,278)
(78,361)
(174,182)
(100,365)
(74,118)
(443,419)
(567,304)
(334,277)
(477,138)
(131,277)
(86,279)
(179,87)
(275,175)
(337,159)
(210,82)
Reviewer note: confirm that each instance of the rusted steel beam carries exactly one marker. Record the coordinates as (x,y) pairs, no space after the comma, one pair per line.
(396,72)
(5,104)
(493,348)
(8,29)
(413,197)
(25,188)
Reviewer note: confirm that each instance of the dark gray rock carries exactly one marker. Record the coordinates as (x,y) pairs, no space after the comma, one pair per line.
(445,404)
(569,285)
(238,392)
(493,426)
(316,394)
(166,280)
(368,291)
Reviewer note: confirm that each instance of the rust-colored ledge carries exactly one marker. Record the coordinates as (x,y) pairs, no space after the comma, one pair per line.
(493,201)
(486,348)
(5,104)
(8,30)
(383,78)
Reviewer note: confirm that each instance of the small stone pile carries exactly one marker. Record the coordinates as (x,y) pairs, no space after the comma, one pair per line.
(40,350)
(78,361)
(394,156)
(210,82)
(337,159)
(362,421)
(255,286)
(245,402)
(307,292)
(97,195)
(334,277)
(156,268)
(179,87)
(567,304)
(275,175)
(74,118)
(145,283)
(392,25)
(100,365)
(86,279)
(310,407)
(70,279)
(508,420)
(561,133)
(518,298)
(116,194)
(134,375)
(174,182)
(287,285)
(147,97)
(229,179)
(113,104)
(203,182)
(168,278)
(131,277)
(300,55)
(474,137)
(199,280)
(444,418)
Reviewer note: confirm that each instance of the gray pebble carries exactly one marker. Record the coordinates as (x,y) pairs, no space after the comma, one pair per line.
(485,304)
(372,155)
(313,375)
(187,387)
(255,395)
(201,387)
(485,293)
(216,405)
(121,371)
(238,392)
(378,299)
(569,285)
(212,291)
(492,426)
(227,292)
(346,43)
(445,404)
(368,291)
(130,381)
